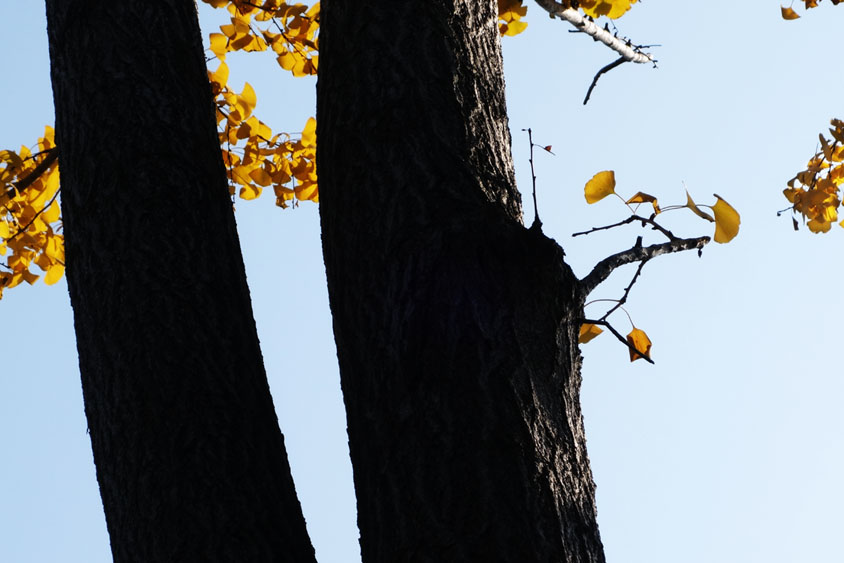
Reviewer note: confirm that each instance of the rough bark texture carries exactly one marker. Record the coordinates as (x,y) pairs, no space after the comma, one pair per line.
(190,460)
(455,326)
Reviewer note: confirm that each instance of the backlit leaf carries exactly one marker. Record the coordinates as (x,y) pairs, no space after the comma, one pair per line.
(588,331)
(727,221)
(696,210)
(600,186)
(788,13)
(54,274)
(642,197)
(640,341)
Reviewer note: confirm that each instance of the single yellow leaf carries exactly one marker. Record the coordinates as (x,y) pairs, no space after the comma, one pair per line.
(54,274)
(260,176)
(51,215)
(5,231)
(696,210)
(611,8)
(247,99)
(309,133)
(219,45)
(221,75)
(727,221)
(640,341)
(588,331)
(642,197)
(788,13)
(250,191)
(513,28)
(600,186)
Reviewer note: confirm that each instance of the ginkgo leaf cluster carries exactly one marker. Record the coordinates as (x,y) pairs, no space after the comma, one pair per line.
(30,225)
(725,217)
(289,30)
(814,193)
(602,185)
(788,12)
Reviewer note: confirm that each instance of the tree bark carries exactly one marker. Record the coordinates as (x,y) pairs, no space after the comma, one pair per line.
(456,327)
(190,460)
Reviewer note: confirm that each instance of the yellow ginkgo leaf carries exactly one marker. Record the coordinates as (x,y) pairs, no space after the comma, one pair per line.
(788,13)
(513,28)
(640,341)
(588,331)
(54,274)
(600,186)
(247,99)
(696,210)
(5,230)
(250,191)
(309,133)
(611,8)
(642,197)
(727,221)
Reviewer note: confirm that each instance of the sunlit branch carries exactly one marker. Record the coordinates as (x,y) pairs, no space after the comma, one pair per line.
(624,48)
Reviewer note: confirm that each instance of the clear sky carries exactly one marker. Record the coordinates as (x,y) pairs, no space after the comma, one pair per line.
(729,449)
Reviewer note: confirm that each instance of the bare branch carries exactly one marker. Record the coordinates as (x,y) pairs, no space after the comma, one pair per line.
(627,51)
(605,267)
(645,221)
(607,68)
(623,340)
(627,289)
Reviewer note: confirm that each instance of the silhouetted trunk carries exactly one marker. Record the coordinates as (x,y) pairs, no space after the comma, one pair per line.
(456,327)
(190,460)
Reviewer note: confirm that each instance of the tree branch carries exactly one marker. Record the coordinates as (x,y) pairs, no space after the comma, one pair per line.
(605,267)
(609,67)
(627,289)
(608,326)
(627,51)
(644,220)
(19,186)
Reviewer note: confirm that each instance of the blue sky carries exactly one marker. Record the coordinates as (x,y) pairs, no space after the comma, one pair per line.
(728,449)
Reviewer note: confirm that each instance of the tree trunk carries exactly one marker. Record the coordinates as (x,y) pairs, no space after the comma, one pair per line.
(456,327)
(190,460)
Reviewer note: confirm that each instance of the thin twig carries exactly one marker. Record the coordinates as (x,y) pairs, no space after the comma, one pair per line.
(645,221)
(619,61)
(605,267)
(34,217)
(537,223)
(620,338)
(627,289)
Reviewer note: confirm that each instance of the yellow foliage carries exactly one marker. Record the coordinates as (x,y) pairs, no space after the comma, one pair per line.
(790,14)
(814,192)
(600,186)
(727,221)
(642,197)
(640,341)
(588,331)
(510,13)
(613,9)
(29,220)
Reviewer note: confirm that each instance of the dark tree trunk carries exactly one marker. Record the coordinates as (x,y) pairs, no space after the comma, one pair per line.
(456,327)
(190,460)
